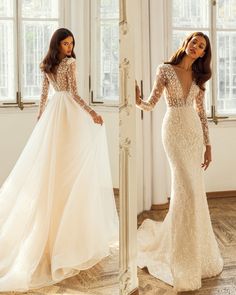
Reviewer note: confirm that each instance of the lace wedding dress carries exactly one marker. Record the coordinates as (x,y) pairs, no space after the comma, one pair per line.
(182,249)
(57,209)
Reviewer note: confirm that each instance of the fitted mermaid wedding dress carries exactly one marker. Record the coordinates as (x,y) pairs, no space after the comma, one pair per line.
(182,249)
(57,209)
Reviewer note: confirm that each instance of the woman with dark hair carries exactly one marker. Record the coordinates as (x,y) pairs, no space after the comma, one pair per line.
(182,249)
(57,208)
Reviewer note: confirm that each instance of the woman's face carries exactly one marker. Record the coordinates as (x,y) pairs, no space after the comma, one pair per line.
(196,47)
(66,46)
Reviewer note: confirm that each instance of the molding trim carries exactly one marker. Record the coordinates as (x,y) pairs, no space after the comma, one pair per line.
(124,77)
(134,292)
(161,206)
(210,195)
(221,194)
(123,17)
(116,191)
(124,272)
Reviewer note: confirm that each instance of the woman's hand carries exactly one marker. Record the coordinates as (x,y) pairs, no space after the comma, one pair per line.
(207,157)
(138,94)
(97,119)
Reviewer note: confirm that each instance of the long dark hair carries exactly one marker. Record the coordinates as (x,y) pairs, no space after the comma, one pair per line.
(201,66)
(51,60)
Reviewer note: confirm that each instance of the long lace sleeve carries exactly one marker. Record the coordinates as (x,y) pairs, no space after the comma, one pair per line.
(157,90)
(44,93)
(200,108)
(73,87)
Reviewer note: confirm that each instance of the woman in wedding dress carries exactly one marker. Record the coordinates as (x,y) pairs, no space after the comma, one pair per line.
(183,249)
(57,208)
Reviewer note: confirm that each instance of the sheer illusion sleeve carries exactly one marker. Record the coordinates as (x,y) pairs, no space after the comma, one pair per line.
(200,108)
(73,87)
(157,90)
(44,93)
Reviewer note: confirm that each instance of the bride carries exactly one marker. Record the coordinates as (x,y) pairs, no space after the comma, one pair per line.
(182,249)
(57,209)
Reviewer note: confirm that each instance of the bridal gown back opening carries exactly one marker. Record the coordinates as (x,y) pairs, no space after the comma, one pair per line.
(182,249)
(57,208)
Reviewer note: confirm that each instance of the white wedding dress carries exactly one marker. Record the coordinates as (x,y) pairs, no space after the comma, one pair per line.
(57,208)
(182,249)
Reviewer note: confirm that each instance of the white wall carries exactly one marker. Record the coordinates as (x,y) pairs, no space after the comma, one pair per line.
(221,175)
(16,127)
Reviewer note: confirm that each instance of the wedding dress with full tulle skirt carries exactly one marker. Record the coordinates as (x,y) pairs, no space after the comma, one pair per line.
(182,249)
(57,209)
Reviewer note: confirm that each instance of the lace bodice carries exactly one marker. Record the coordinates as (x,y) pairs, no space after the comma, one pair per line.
(64,80)
(176,95)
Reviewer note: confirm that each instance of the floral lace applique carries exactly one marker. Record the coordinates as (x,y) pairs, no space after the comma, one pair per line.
(63,80)
(166,78)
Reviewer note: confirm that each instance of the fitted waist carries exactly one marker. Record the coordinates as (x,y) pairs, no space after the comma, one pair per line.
(61,91)
(178,107)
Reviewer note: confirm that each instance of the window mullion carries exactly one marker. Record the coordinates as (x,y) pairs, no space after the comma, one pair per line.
(20,57)
(215,72)
(64,14)
(97,23)
(12,100)
(168,28)
(94,52)
(212,11)
(16,51)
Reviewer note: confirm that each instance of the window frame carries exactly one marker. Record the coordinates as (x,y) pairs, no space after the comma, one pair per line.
(213,115)
(19,101)
(93,64)
(14,31)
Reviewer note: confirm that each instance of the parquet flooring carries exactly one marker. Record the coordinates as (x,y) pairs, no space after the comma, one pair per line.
(102,279)
(223,216)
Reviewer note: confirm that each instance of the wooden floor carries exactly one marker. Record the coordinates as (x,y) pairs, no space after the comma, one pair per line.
(102,279)
(223,216)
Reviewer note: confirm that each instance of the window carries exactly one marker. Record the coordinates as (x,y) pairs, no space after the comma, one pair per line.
(218,20)
(226,56)
(26,27)
(104,52)
(7,57)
